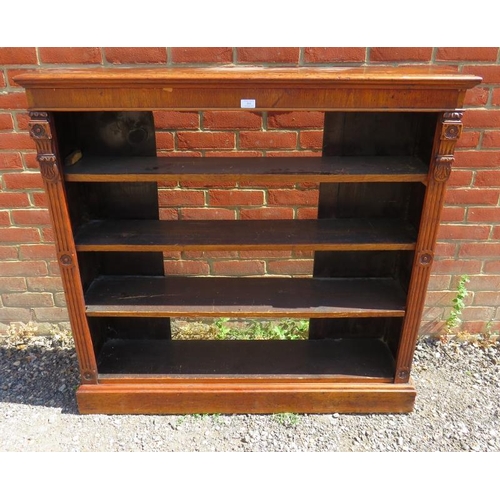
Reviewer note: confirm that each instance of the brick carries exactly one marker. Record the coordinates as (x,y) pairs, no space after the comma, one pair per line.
(169,214)
(495,99)
(31,217)
(474,159)
(59,300)
(471,197)
(210,255)
(230,198)
(491,139)
(207,214)
(487,299)
(51,314)
(482,118)
(186,267)
(268,55)
(267,184)
(30,160)
(39,199)
(460,178)
(167,184)
(10,161)
(238,267)
(70,55)
(27,299)
(11,74)
(164,140)
(13,100)
(453,214)
(14,314)
(208,184)
(172,255)
(492,267)
(453,266)
(54,268)
(12,200)
(393,54)
(467,54)
(136,55)
(18,55)
(468,140)
(482,249)
(311,139)
(6,122)
(496,233)
(22,121)
(233,154)
(445,249)
(201,55)
(290,267)
(478,313)
(307,213)
(439,282)
(205,140)
(268,140)
(181,198)
(232,120)
(16,140)
(444,298)
(12,284)
(47,234)
(2,80)
(303,254)
(44,284)
(478,96)
(486,214)
(270,254)
(24,180)
(19,269)
(292,197)
(176,120)
(489,73)
(37,252)
(463,232)
(19,235)
(266,213)
(293,154)
(8,253)
(334,54)
(4,218)
(296,119)
(180,154)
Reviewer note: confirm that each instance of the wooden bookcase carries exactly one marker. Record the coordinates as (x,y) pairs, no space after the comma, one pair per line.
(388,148)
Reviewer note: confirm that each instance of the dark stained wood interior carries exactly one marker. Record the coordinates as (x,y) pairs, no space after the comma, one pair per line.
(252,297)
(361,358)
(331,234)
(333,169)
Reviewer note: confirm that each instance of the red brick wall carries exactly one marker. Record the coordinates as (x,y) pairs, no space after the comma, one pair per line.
(469,239)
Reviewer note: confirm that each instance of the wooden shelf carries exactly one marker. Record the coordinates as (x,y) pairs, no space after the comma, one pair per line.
(323,234)
(304,169)
(250,297)
(342,358)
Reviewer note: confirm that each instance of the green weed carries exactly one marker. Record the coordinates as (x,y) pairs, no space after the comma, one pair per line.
(455,317)
(287,419)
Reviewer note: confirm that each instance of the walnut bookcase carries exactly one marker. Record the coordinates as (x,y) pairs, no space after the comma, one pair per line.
(388,148)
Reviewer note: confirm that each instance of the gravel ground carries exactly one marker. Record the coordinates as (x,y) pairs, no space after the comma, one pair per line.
(457,409)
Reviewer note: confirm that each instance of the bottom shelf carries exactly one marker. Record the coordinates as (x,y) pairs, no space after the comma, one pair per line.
(344,375)
(341,358)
